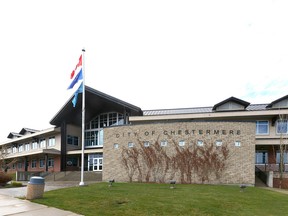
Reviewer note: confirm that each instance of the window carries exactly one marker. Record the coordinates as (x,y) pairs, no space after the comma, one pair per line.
(72,161)
(19,165)
(51,141)
(33,163)
(237,143)
(285,157)
(14,149)
(116,145)
(72,140)
(261,157)
(50,162)
(27,146)
(163,143)
(200,143)
(262,127)
(146,144)
(218,142)
(94,138)
(281,127)
(20,148)
(181,143)
(41,163)
(105,120)
(130,144)
(42,143)
(34,145)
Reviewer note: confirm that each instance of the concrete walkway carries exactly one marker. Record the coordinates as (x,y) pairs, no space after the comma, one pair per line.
(259,183)
(10,204)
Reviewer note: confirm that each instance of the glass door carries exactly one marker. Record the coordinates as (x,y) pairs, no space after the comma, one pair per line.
(97,164)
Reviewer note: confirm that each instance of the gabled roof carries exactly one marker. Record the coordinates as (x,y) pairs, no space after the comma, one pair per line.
(13,135)
(232,99)
(96,102)
(277,101)
(24,130)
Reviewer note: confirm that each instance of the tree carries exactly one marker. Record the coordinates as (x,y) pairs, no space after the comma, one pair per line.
(282,128)
(4,165)
(4,162)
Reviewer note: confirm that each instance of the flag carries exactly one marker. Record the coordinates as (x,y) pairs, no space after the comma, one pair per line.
(78,65)
(79,90)
(78,77)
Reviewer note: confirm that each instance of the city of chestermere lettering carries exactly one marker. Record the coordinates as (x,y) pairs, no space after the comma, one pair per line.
(181,132)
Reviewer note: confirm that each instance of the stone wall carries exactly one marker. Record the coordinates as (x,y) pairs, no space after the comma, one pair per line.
(227,155)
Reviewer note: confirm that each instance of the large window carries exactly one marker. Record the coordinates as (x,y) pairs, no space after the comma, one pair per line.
(262,127)
(105,120)
(94,129)
(261,157)
(94,138)
(281,127)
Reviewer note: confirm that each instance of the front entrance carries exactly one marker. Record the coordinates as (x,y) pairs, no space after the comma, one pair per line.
(97,164)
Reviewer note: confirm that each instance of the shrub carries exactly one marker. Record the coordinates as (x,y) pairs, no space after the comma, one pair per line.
(4,178)
(16,184)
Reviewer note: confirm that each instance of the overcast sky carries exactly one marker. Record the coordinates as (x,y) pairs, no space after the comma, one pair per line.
(153,54)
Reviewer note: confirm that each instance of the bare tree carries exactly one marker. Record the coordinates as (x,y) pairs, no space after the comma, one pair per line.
(5,163)
(282,128)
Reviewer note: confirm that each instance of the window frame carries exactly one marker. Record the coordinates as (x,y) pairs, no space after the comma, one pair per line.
(260,123)
(277,126)
(51,141)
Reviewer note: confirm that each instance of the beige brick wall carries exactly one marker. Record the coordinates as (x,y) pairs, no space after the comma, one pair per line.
(239,165)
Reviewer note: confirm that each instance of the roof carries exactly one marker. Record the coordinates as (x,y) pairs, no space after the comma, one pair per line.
(27,130)
(13,134)
(33,136)
(96,102)
(276,101)
(251,107)
(232,99)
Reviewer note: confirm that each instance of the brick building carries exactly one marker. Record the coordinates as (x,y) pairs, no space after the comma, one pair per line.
(224,143)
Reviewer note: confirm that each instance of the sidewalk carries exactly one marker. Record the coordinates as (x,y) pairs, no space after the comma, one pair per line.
(10,204)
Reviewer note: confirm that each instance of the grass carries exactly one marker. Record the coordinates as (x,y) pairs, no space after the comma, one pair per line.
(158,199)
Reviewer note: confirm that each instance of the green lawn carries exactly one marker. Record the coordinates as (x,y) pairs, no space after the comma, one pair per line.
(158,199)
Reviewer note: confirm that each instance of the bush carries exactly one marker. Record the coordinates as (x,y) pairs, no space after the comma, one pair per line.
(16,184)
(4,178)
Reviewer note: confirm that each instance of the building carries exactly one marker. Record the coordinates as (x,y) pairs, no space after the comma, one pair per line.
(225,143)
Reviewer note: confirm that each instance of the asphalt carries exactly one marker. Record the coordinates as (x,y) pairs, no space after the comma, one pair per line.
(13,202)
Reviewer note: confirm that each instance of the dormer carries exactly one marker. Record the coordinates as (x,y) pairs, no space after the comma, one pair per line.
(231,104)
(279,103)
(26,131)
(13,135)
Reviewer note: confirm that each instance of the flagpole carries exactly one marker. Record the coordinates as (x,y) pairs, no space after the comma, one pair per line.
(83,120)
